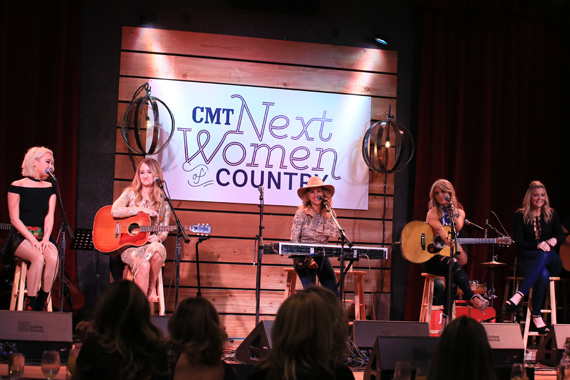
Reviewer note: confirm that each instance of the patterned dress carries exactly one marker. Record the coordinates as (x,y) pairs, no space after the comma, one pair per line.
(125,206)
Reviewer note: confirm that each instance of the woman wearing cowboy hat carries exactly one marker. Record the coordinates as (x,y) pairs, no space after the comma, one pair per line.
(312,224)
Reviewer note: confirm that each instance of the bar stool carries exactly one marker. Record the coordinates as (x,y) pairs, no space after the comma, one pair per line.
(550,304)
(359,302)
(19,287)
(427,300)
(128,275)
(359,311)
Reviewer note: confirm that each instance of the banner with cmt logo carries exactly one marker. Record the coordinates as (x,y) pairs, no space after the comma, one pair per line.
(232,142)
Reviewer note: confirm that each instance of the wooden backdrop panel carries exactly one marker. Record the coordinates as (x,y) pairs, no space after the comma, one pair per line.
(227,259)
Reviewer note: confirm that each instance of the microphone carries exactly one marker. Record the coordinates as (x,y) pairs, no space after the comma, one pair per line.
(50,173)
(158,181)
(477,227)
(260,189)
(447,199)
(321,198)
(486,224)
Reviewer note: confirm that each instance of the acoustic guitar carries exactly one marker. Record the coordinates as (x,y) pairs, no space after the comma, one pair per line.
(420,243)
(111,234)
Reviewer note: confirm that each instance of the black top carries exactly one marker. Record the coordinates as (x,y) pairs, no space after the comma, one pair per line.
(34,203)
(525,237)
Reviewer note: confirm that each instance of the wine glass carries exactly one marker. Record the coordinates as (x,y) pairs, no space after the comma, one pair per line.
(402,371)
(72,358)
(50,364)
(16,364)
(518,372)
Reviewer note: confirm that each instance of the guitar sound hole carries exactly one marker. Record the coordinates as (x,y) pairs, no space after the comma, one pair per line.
(134,229)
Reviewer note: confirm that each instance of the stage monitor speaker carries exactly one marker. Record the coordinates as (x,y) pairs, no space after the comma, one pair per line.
(33,332)
(161,321)
(257,345)
(416,350)
(507,343)
(364,333)
(551,348)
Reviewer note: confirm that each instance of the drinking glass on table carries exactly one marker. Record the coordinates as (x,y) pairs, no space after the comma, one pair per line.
(50,364)
(16,363)
(518,372)
(403,371)
(71,359)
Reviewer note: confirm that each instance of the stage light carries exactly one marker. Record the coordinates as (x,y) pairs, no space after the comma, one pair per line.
(381,41)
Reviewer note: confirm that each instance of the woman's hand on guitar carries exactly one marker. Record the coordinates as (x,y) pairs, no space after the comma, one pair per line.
(149,212)
(154,239)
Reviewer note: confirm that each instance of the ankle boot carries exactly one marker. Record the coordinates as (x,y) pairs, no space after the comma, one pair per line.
(41,300)
(30,304)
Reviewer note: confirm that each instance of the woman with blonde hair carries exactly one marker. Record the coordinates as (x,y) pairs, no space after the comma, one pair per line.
(443,209)
(197,342)
(308,340)
(122,343)
(537,231)
(145,195)
(31,204)
(312,224)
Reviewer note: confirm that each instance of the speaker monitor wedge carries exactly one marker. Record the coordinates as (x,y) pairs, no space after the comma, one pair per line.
(417,350)
(257,345)
(506,341)
(364,333)
(551,348)
(33,332)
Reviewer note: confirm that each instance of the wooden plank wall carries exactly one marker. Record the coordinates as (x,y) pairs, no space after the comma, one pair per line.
(227,273)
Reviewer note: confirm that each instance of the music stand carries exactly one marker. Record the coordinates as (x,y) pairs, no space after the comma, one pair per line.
(83,240)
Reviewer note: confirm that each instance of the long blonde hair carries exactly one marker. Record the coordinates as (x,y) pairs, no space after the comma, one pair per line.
(526,208)
(157,196)
(447,187)
(306,202)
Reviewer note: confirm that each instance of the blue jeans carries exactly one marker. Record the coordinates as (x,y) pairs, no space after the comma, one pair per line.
(325,272)
(537,266)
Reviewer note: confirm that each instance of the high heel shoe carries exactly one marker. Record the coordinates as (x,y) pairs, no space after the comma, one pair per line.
(544,328)
(511,306)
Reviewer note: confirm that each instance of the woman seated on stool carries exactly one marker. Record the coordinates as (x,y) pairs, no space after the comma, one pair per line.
(443,209)
(537,231)
(145,195)
(31,204)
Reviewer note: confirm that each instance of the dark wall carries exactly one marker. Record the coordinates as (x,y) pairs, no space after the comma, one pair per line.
(353,23)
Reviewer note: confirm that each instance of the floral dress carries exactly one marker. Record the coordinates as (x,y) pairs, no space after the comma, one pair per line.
(125,206)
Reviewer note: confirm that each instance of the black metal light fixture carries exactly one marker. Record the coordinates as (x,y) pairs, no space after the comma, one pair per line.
(388,146)
(143,117)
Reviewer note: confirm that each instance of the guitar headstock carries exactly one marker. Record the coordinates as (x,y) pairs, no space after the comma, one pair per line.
(201,229)
(504,241)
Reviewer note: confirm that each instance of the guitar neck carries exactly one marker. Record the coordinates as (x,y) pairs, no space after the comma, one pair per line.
(476,240)
(164,228)
(5,226)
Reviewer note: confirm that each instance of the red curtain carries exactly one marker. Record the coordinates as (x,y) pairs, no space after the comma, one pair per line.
(39,94)
(491,119)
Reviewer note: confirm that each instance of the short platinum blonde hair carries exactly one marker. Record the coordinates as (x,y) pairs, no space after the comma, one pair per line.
(34,153)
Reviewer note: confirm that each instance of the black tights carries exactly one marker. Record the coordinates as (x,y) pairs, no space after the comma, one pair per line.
(439,266)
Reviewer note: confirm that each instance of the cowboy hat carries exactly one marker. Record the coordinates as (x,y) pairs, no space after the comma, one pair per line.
(315,182)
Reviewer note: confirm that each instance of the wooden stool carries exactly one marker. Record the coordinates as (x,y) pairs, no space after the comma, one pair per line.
(359,311)
(551,309)
(359,302)
(128,275)
(19,287)
(291,282)
(427,300)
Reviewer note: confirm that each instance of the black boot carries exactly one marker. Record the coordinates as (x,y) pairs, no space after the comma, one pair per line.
(30,304)
(41,300)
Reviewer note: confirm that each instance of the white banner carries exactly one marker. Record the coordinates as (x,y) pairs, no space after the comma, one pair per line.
(231,140)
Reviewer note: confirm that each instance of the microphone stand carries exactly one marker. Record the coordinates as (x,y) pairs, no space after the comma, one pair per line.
(63,227)
(343,239)
(452,250)
(200,239)
(259,256)
(181,233)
